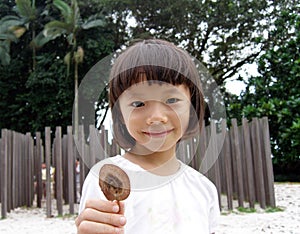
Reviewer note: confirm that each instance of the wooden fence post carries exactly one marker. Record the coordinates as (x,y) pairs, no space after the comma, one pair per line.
(58,171)
(249,163)
(93,146)
(202,145)
(103,144)
(0,165)
(27,172)
(258,165)
(227,167)
(4,172)
(238,163)
(38,164)
(64,146)
(270,194)
(24,173)
(195,152)
(83,156)
(48,168)
(29,175)
(215,168)
(71,166)
(14,186)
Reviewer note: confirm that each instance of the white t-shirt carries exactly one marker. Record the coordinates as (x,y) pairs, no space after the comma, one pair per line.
(185,202)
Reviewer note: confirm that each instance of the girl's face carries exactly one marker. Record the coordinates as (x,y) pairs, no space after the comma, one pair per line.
(156,115)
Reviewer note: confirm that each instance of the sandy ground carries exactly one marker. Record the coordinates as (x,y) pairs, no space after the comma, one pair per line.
(34,221)
(286,221)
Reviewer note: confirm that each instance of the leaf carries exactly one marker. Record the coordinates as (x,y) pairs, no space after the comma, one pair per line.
(18,31)
(9,36)
(65,10)
(93,24)
(94,21)
(40,40)
(9,21)
(4,54)
(25,9)
(56,28)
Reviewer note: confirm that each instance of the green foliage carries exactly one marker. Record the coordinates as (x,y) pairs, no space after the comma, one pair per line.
(69,26)
(10,31)
(246,209)
(26,9)
(32,99)
(50,94)
(224,34)
(274,209)
(275,93)
(12,105)
(66,11)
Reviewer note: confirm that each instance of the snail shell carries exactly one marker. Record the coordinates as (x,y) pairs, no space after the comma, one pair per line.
(114,182)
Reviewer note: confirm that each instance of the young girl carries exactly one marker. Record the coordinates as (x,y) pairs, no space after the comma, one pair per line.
(156,102)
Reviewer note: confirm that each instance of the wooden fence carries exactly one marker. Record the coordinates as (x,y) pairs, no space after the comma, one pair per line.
(238,161)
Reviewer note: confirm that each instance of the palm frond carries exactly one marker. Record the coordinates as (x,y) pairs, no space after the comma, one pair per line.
(65,10)
(93,22)
(4,53)
(40,40)
(25,9)
(56,28)
(9,21)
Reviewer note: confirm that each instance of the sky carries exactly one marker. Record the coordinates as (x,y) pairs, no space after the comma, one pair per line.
(234,86)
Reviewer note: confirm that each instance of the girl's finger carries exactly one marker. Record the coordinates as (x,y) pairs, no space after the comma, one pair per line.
(102,205)
(88,227)
(92,215)
(121,207)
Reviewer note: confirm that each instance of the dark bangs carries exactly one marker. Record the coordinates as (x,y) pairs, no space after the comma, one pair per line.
(149,73)
(155,60)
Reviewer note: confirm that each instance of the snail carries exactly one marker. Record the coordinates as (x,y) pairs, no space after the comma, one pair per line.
(114,182)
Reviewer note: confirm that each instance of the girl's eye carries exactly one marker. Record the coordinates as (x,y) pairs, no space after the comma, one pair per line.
(172,100)
(137,104)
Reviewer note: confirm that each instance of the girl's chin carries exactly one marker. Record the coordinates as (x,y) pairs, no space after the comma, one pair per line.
(150,148)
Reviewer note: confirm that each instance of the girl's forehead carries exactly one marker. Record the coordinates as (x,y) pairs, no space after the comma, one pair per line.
(156,88)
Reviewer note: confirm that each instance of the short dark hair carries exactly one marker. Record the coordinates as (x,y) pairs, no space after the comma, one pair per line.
(160,61)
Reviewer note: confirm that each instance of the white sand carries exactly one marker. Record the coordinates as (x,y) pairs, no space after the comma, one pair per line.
(34,221)
(288,221)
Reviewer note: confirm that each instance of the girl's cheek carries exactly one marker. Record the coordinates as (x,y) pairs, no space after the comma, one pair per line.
(181,109)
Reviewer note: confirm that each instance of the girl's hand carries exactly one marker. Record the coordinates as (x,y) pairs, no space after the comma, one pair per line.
(101,216)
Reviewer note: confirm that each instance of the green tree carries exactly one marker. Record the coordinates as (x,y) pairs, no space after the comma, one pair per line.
(28,13)
(225,34)
(8,22)
(31,100)
(10,31)
(48,94)
(275,93)
(70,26)
(24,18)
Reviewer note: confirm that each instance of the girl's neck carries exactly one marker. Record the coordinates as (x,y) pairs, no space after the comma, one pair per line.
(160,163)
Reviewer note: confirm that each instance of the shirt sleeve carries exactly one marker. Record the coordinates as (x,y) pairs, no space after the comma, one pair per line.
(214,215)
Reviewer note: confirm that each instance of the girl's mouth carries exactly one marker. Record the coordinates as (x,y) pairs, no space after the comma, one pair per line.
(158,134)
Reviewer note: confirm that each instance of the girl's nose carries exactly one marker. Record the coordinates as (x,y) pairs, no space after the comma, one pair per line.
(156,114)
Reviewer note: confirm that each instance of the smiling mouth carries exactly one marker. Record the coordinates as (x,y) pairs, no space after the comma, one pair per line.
(158,134)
